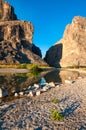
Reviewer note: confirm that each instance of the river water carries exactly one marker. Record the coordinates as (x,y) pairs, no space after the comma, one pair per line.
(18,82)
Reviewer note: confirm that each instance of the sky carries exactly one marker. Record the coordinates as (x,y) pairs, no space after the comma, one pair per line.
(49,18)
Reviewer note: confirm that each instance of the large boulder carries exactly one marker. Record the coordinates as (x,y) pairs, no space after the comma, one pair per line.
(71,49)
(16,44)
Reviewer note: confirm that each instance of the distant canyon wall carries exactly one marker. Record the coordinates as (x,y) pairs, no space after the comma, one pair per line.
(71,49)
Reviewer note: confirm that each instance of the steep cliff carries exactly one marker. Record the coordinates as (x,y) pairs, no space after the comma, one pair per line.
(6,12)
(16,38)
(71,49)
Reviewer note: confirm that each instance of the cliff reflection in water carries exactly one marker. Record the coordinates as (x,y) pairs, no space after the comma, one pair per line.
(17,82)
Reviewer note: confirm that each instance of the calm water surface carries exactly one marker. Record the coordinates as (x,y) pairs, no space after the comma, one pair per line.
(18,82)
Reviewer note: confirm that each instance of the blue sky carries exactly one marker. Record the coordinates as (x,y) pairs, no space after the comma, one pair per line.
(49,18)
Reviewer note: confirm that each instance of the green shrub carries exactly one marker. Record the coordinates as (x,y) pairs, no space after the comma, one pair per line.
(55,101)
(34,68)
(22,66)
(56,115)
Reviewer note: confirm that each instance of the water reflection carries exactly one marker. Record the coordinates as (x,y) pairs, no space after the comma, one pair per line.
(71,75)
(17,82)
(42,81)
(53,76)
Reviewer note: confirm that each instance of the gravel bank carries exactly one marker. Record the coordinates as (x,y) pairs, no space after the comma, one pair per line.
(34,114)
(11,70)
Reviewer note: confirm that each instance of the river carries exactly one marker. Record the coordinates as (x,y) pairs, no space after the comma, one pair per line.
(16,82)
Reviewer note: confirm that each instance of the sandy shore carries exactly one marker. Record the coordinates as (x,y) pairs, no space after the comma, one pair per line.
(34,114)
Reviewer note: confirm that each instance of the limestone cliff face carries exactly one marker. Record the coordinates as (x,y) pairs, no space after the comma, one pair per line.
(6,12)
(16,39)
(71,49)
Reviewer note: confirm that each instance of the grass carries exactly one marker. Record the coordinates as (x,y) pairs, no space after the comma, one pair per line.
(25,66)
(55,101)
(56,115)
(8,66)
(76,67)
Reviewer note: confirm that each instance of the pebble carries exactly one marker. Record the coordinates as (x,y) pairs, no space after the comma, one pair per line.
(51,84)
(26,113)
(68,81)
(36,86)
(16,94)
(38,92)
(31,93)
(21,93)
(45,88)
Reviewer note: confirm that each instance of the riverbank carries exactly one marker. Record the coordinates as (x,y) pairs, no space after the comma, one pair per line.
(13,70)
(34,113)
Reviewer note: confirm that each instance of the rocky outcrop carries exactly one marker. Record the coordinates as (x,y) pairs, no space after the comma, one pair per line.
(71,49)
(6,12)
(16,39)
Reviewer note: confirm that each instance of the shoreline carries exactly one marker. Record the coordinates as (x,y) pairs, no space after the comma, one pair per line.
(20,70)
(13,70)
(34,113)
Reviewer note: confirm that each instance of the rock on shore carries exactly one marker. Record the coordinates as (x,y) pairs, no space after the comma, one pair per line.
(34,113)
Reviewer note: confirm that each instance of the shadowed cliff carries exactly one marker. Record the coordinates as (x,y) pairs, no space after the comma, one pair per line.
(73,46)
(16,45)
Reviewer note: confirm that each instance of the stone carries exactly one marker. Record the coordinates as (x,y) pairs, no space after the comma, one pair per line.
(36,86)
(31,93)
(29,87)
(16,94)
(38,92)
(16,45)
(3,92)
(21,93)
(69,81)
(51,84)
(57,86)
(71,49)
(45,88)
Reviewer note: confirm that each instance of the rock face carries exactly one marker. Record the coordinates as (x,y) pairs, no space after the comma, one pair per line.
(71,49)
(16,39)
(6,12)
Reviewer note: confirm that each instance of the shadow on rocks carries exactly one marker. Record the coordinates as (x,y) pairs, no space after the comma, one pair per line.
(39,128)
(70,109)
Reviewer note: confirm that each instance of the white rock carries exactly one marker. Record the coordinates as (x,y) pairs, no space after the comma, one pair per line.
(21,93)
(31,93)
(36,86)
(45,88)
(3,93)
(29,87)
(69,81)
(38,93)
(57,86)
(16,95)
(51,84)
